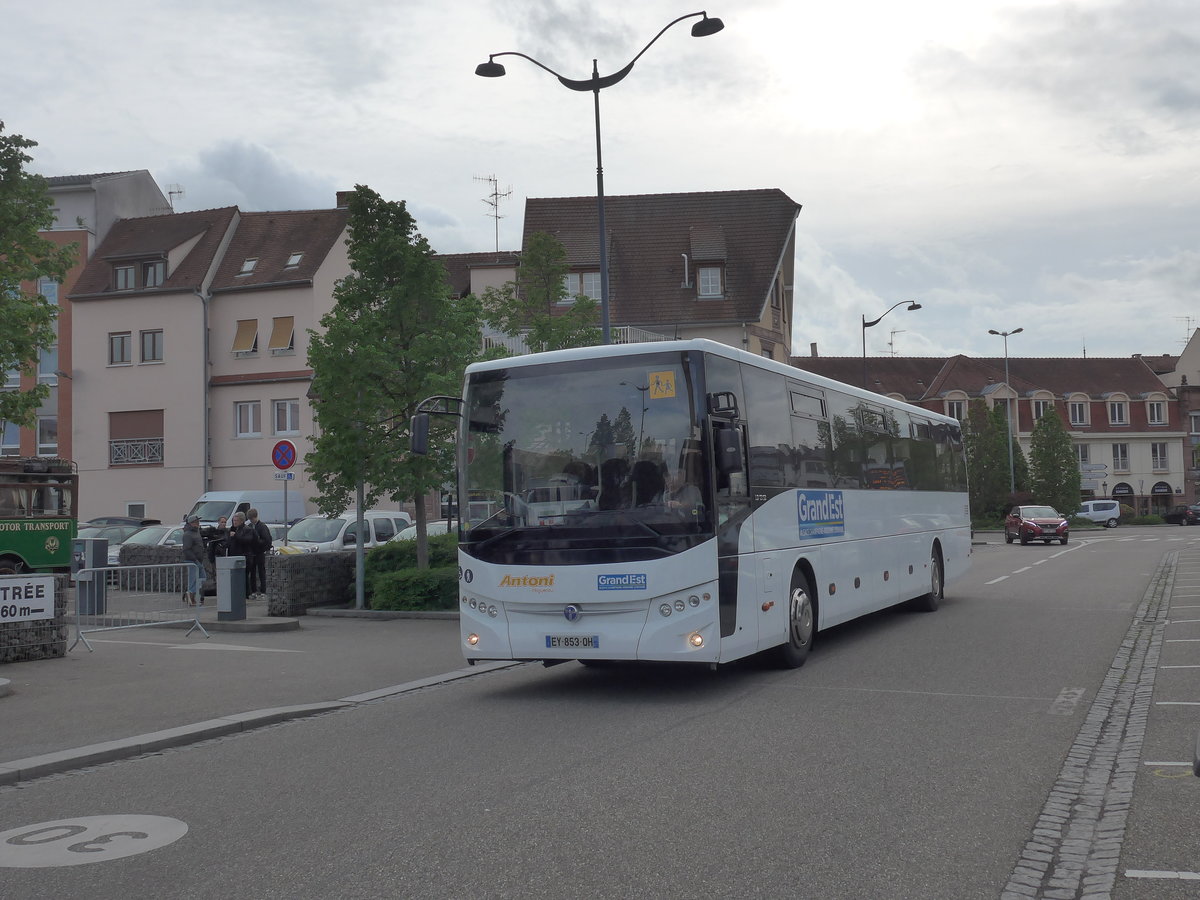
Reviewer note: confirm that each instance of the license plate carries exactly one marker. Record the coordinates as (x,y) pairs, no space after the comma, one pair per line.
(573,641)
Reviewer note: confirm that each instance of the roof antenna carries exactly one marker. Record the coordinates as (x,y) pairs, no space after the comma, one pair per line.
(493,200)
(173,191)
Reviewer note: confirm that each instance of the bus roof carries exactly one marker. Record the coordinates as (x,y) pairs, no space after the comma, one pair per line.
(701,345)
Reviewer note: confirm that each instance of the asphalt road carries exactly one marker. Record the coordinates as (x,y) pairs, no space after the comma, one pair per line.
(914,756)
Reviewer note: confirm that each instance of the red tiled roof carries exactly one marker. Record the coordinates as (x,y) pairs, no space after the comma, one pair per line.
(747,231)
(153,237)
(272,237)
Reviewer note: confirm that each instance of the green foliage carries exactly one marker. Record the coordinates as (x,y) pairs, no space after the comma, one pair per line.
(1145,520)
(1055,478)
(395,335)
(416,589)
(533,304)
(987,462)
(396,555)
(25,256)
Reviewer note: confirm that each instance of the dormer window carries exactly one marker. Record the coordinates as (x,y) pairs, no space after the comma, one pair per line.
(248,265)
(709,282)
(154,273)
(294,260)
(123,278)
(576,283)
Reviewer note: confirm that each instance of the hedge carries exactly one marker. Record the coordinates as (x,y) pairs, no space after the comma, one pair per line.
(416,589)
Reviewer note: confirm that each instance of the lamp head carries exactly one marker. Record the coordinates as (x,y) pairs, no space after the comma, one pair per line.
(489,69)
(1016,331)
(993,331)
(707,26)
(912,306)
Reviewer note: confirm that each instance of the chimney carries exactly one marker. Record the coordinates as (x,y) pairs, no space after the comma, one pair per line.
(343,199)
(812,349)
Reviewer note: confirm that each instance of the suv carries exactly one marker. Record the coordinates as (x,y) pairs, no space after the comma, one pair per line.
(1102,512)
(1183,515)
(1035,523)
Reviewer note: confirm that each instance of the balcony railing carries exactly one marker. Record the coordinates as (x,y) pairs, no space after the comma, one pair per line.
(135,452)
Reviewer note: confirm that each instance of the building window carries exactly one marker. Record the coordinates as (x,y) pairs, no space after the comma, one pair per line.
(1083,454)
(294,260)
(154,273)
(120,348)
(152,346)
(1195,420)
(585,283)
(10,439)
(1120,454)
(708,281)
(12,378)
(123,278)
(47,436)
(1117,412)
(1078,411)
(1041,407)
(48,288)
(246,339)
(287,416)
(1156,412)
(956,409)
(247,419)
(282,340)
(1158,456)
(48,365)
(248,265)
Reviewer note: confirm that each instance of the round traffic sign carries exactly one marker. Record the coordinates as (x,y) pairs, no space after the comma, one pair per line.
(283,455)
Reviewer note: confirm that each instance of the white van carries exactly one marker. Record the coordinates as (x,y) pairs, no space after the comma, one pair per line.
(321,534)
(214,504)
(1103,512)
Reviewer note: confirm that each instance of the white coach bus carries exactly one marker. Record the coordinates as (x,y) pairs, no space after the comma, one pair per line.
(687,501)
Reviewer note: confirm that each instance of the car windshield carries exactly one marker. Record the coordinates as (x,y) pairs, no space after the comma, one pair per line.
(316,530)
(1038,512)
(148,536)
(211,510)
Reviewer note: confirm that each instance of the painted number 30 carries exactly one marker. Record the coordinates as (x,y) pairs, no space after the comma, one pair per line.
(71,842)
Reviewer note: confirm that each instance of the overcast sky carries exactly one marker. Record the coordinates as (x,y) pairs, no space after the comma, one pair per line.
(1006,163)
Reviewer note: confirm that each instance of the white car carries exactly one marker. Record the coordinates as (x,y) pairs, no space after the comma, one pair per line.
(431,529)
(323,534)
(150,536)
(1103,512)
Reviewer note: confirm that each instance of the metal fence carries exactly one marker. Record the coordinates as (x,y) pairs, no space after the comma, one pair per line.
(111,598)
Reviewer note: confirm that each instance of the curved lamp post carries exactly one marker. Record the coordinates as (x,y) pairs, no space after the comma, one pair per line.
(1012,480)
(865,325)
(493,69)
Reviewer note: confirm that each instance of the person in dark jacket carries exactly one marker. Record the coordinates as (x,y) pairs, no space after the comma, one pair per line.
(259,542)
(193,554)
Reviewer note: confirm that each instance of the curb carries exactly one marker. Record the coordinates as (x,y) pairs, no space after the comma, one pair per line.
(351,613)
(94,754)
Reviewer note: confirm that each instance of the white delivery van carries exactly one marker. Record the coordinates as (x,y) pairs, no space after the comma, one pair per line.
(214,504)
(321,534)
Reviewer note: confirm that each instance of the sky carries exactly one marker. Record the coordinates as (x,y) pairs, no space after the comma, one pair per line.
(1005,163)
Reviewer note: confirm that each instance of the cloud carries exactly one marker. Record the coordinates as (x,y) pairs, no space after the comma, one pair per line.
(250,176)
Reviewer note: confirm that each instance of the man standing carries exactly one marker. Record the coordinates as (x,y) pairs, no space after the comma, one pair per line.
(258,545)
(193,555)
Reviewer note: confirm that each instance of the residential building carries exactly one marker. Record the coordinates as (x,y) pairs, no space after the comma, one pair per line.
(1182,374)
(1124,421)
(191,344)
(85,207)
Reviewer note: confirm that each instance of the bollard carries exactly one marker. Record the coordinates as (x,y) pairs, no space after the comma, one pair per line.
(231,588)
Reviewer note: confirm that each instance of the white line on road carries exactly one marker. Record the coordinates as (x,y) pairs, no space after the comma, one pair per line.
(1176,703)
(1150,873)
(1179,667)
(1019,571)
(997,580)
(1186,765)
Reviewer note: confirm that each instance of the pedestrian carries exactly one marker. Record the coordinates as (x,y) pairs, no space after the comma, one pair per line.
(256,563)
(218,541)
(238,544)
(193,557)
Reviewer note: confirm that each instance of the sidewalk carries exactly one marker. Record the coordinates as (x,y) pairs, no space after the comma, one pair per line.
(143,689)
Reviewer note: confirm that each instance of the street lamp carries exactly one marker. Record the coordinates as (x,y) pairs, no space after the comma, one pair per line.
(865,325)
(1012,478)
(493,69)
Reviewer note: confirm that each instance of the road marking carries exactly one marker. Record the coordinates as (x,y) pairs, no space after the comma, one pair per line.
(1182,621)
(1019,571)
(1183,640)
(1176,703)
(1184,764)
(1179,667)
(1150,873)
(86,839)
(996,580)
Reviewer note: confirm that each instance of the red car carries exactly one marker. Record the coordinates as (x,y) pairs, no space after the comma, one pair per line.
(1035,523)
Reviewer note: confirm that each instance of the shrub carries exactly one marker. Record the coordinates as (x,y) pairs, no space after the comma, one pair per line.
(400,558)
(416,589)
(1144,520)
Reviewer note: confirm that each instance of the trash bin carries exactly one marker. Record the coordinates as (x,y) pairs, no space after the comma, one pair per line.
(231,588)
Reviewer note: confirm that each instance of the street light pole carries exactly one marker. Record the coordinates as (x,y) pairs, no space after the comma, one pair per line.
(493,69)
(1012,478)
(865,325)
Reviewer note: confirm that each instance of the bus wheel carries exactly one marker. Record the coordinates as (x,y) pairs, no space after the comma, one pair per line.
(11,565)
(929,602)
(801,626)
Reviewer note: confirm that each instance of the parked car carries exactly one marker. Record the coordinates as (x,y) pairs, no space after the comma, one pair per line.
(1183,515)
(431,529)
(322,534)
(1035,523)
(114,534)
(1103,512)
(119,520)
(150,536)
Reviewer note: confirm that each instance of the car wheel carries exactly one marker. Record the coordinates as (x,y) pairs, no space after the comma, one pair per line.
(801,626)
(1111,523)
(929,602)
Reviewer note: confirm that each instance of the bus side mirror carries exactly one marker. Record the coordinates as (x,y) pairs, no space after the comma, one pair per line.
(419,439)
(729,451)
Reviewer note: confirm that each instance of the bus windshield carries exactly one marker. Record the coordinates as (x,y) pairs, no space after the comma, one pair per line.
(610,452)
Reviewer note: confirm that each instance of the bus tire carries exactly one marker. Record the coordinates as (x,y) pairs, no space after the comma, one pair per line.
(11,565)
(802,627)
(937,588)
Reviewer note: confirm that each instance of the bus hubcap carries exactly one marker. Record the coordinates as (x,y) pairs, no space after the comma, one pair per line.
(801,617)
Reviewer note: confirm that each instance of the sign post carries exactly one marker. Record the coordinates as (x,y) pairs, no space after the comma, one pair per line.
(283,457)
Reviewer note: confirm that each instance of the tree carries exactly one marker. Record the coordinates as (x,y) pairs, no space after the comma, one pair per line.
(395,335)
(25,257)
(1054,475)
(534,305)
(987,462)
